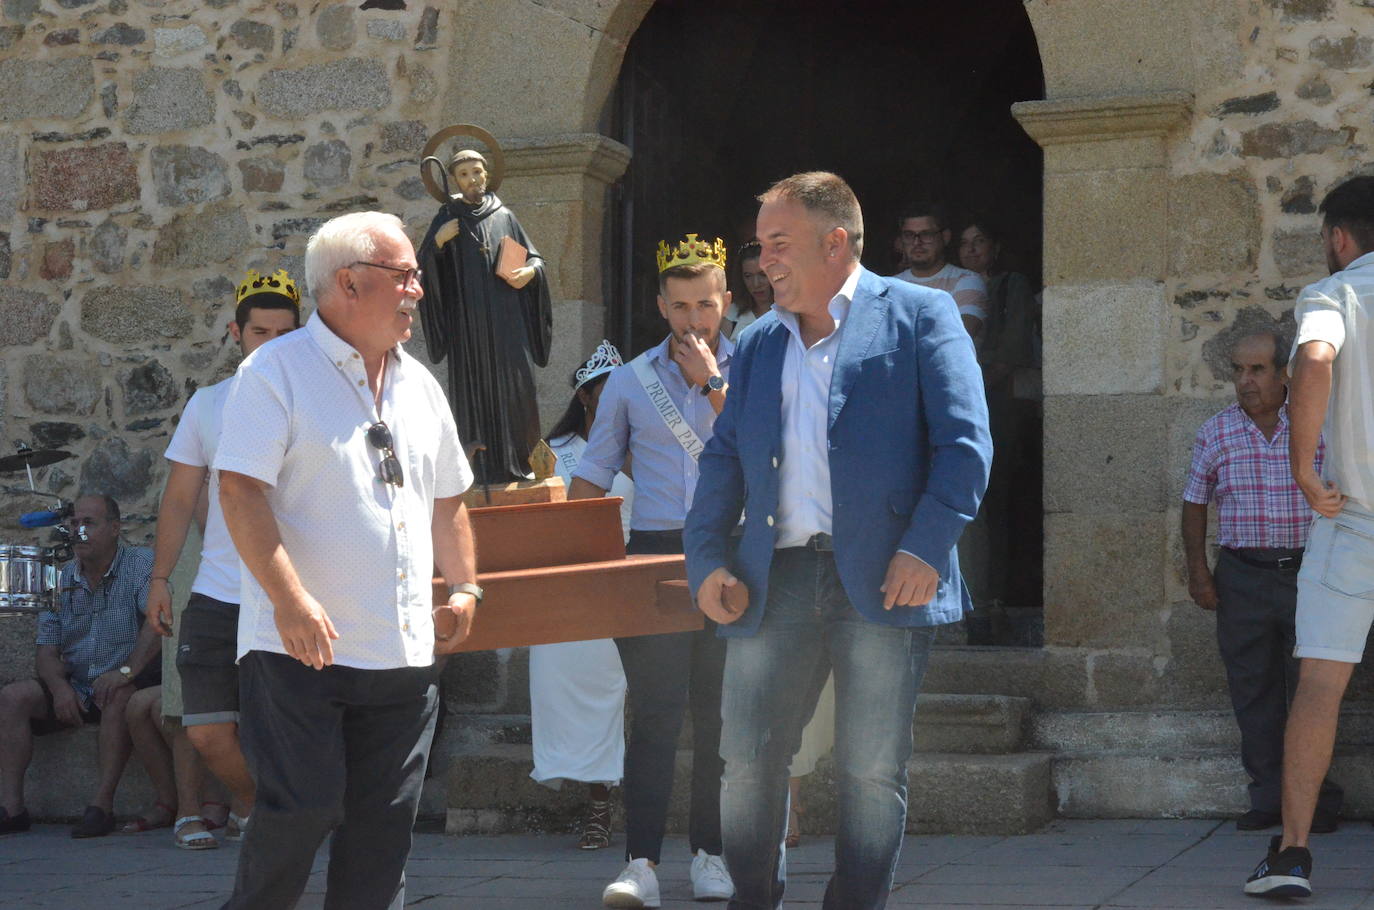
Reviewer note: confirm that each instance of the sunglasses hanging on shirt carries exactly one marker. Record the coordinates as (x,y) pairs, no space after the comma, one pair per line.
(389,471)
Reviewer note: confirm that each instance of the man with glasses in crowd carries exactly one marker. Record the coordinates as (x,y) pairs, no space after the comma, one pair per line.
(341,486)
(923,238)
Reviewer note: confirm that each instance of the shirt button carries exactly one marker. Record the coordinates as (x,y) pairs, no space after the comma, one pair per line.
(400,525)
(362,382)
(769,519)
(775,461)
(354,355)
(405,627)
(403,576)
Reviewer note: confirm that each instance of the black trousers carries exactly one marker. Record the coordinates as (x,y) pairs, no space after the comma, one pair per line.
(1255,635)
(664,676)
(341,750)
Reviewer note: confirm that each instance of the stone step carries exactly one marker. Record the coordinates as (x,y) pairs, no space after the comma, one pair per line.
(62,778)
(1165,731)
(1203,784)
(489,791)
(971,723)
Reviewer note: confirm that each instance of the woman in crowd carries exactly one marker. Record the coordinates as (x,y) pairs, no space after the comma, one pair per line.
(577,688)
(754,295)
(1010,356)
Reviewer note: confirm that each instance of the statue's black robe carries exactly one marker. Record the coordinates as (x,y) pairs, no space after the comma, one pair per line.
(489,332)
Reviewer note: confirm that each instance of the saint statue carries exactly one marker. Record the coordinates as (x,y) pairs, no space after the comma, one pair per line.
(486,310)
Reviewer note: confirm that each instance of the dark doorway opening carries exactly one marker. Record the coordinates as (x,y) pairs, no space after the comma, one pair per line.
(906,100)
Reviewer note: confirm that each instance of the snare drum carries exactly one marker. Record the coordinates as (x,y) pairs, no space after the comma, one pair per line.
(28,580)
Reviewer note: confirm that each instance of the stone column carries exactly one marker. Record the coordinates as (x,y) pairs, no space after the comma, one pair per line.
(558,186)
(1105,323)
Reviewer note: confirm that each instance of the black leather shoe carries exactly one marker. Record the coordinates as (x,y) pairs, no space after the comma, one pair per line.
(14,824)
(1324,822)
(95,822)
(1256,820)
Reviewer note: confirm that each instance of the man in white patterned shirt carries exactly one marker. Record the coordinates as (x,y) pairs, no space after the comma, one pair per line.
(1331,396)
(341,487)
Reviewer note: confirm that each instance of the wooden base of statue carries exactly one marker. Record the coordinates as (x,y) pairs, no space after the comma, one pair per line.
(520,493)
(557,571)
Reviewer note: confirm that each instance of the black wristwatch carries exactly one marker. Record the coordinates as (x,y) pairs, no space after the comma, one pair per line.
(466,587)
(713,384)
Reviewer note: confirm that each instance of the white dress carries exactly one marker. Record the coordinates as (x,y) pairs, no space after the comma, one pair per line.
(577,688)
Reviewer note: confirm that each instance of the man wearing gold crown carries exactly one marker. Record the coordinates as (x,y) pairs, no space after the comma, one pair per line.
(489,328)
(659,409)
(267,307)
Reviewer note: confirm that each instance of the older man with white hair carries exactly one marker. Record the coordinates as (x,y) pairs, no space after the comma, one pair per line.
(341,487)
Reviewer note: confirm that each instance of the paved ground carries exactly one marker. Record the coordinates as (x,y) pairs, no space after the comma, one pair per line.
(1161,864)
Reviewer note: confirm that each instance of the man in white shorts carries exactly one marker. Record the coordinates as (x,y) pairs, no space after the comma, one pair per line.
(1332,392)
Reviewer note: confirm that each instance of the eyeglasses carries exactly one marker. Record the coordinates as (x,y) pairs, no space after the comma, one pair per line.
(407,275)
(922,236)
(389,471)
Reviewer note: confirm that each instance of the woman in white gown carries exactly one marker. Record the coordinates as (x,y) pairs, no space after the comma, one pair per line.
(577,688)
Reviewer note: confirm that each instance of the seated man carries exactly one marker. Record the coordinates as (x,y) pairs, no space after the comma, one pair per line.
(93,653)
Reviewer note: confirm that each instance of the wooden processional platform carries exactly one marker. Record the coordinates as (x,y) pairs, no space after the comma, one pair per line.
(556,570)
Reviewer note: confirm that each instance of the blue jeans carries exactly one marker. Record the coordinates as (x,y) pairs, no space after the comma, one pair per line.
(770,691)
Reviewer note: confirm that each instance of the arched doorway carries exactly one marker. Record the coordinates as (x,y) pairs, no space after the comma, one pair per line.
(908,101)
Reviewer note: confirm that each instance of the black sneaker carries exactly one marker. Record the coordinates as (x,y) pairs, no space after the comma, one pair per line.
(1284,873)
(14,824)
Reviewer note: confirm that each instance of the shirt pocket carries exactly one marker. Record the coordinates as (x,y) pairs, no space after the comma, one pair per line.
(1349,568)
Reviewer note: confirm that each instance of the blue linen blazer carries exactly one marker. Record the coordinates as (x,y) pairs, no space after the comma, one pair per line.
(909,453)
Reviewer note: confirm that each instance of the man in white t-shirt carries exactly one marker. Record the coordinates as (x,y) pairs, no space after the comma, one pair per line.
(923,238)
(266,307)
(342,485)
(1331,396)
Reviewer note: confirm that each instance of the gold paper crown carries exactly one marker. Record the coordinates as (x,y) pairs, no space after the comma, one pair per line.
(277,283)
(690,252)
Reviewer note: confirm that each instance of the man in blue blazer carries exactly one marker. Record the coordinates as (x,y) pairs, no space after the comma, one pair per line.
(855,441)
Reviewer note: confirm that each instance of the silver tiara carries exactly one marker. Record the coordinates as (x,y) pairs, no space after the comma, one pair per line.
(603,360)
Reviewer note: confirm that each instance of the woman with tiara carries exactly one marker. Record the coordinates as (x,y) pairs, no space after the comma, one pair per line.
(577,688)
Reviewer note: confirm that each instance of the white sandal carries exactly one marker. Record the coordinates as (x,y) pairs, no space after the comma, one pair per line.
(196,840)
(236,827)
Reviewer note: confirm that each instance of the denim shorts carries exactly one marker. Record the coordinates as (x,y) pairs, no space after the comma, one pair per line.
(207,646)
(1336,587)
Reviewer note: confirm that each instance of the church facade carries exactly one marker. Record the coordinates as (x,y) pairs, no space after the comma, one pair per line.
(149,157)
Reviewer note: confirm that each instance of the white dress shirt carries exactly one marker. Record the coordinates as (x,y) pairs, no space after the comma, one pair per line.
(194,444)
(300,408)
(804,502)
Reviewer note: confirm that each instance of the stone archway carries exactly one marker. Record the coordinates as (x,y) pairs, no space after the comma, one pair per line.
(1119,86)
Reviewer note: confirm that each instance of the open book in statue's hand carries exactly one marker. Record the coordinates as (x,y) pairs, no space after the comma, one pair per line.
(510,259)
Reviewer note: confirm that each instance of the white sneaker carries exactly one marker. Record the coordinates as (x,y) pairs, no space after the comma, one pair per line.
(637,886)
(710,879)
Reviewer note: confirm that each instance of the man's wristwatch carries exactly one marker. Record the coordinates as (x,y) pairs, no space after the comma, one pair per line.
(713,384)
(127,672)
(466,587)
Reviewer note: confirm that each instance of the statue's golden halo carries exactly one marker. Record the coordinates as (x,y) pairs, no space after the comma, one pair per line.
(496,158)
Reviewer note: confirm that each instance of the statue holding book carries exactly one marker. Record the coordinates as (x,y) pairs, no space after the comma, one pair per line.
(486,308)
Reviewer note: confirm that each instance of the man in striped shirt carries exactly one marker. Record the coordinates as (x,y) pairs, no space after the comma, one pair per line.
(1332,395)
(1240,462)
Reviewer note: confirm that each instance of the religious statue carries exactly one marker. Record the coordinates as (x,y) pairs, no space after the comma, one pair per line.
(486,308)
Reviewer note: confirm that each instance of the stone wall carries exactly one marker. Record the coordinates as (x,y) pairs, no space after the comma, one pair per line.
(1187,146)
(149,154)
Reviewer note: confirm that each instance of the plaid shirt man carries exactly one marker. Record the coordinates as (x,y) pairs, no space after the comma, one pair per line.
(95,629)
(1258,503)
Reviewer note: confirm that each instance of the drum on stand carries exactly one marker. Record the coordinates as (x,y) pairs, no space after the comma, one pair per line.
(28,580)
